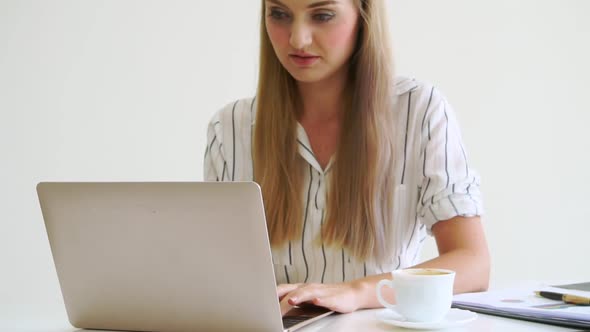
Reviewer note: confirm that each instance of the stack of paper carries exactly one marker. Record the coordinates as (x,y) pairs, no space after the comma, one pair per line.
(523,303)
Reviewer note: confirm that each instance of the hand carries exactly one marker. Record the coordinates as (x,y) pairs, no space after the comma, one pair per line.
(341,297)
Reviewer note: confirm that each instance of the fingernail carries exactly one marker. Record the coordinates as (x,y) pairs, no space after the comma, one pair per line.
(292,301)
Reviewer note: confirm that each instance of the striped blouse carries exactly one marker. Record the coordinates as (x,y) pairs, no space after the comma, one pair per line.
(433,182)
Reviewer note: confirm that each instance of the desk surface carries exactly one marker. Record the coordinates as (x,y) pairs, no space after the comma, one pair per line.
(364,320)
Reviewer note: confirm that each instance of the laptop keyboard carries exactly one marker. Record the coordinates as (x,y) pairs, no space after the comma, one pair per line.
(292,321)
(298,315)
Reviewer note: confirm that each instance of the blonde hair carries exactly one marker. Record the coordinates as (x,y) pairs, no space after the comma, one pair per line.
(360,197)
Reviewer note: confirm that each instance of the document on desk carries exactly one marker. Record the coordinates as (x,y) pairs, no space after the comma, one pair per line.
(523,303)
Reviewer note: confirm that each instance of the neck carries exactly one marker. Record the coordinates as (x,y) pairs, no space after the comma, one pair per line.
(323,101)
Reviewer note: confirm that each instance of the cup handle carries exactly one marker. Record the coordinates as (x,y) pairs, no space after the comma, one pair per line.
(384,282)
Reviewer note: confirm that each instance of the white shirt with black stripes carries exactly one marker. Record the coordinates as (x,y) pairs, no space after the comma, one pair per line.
(434,182)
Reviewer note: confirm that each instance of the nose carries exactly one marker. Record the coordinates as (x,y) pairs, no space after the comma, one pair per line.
(301,36)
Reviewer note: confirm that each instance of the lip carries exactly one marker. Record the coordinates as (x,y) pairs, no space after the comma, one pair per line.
(303,60)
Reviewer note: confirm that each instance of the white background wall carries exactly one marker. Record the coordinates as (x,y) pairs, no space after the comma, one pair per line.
(123,90)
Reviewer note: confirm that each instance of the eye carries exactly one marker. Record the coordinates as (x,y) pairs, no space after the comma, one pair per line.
(323,17)
(277,14)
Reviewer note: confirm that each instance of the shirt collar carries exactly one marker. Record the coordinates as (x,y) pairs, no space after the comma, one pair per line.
(305,151)
(402,85)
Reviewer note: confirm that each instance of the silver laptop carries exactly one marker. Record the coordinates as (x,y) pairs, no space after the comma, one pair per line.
(164,256)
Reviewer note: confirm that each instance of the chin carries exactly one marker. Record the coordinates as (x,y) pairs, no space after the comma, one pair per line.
(307,77)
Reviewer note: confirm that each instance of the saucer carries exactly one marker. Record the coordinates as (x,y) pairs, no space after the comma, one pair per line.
(455,317)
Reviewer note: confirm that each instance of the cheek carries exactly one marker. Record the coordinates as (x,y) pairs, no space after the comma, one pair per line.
(278,35)
(341,36)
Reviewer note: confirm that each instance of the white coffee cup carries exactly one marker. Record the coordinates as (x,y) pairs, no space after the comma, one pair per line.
(422,295)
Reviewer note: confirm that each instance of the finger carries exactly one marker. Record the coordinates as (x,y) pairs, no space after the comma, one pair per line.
(285,306)
(306,294)
(284,289)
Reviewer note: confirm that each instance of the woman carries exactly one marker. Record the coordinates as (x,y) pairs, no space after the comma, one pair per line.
(355,167)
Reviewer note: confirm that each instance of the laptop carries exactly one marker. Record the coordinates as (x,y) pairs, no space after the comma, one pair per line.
(164,256)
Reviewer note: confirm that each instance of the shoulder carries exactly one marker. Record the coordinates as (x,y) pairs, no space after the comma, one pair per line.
(239,108)
(413,88)
(232,121)
(416,97)
(234,118)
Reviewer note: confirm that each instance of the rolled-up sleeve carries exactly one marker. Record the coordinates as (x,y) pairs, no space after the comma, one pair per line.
(449,187)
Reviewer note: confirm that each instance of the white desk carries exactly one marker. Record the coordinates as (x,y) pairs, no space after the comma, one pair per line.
(364,321)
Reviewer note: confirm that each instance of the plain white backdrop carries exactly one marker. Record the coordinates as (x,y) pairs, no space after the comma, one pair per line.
(123,91)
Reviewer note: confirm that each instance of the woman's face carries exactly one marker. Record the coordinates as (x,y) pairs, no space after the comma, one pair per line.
(313,39)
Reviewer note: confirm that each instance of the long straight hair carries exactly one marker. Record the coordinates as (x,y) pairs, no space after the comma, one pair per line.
(360,195)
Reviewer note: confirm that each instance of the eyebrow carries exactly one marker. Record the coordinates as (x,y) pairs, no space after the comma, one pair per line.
(322,3)
(313,5)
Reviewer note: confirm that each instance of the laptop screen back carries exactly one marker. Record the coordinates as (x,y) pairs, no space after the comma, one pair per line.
(162,256)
